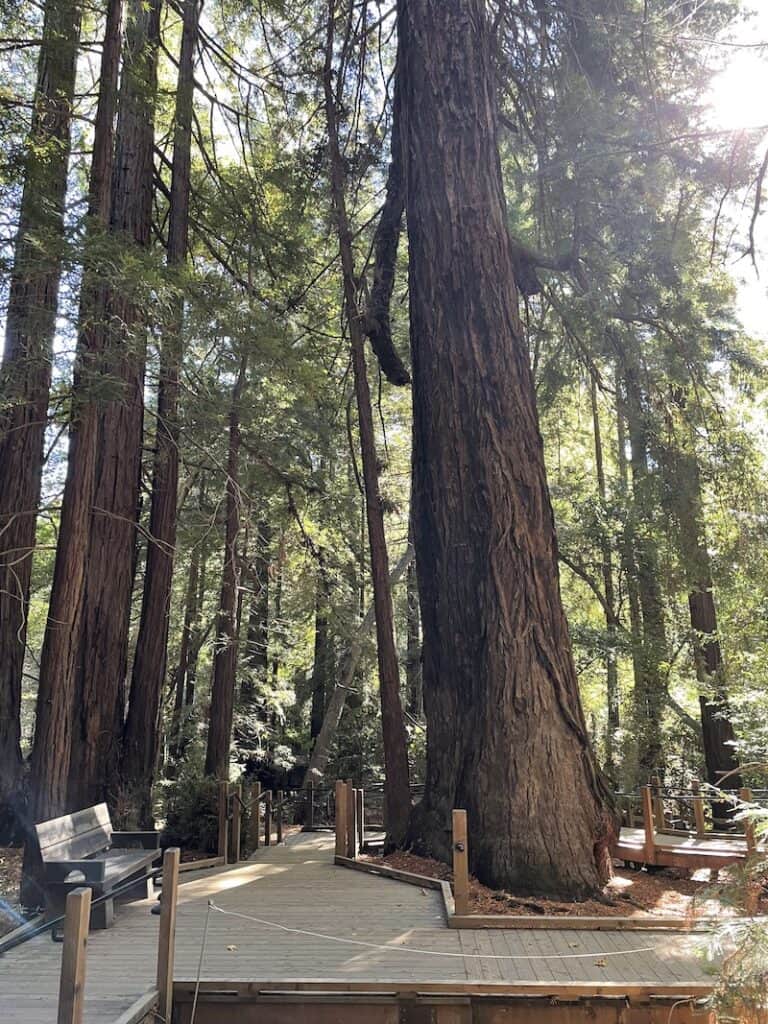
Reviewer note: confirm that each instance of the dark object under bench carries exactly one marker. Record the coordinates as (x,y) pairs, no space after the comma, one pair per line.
(83,849)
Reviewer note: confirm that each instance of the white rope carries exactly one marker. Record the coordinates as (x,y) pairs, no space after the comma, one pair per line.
(600,954)
(200,961)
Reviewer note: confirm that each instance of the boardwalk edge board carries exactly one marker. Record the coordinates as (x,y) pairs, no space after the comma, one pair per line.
(515,921)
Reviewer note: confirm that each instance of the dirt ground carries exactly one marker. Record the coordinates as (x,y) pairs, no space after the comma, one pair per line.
(667,893)
(10,877)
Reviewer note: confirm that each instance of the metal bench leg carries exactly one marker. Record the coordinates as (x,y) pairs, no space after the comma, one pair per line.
(103,914)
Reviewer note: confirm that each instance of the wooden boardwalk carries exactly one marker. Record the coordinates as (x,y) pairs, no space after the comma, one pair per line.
(683,850)
(297,886)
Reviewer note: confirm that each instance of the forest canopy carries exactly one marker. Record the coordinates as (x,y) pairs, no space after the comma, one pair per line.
(383,396)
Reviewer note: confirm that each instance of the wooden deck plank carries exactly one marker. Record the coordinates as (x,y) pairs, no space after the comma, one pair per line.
(298,887)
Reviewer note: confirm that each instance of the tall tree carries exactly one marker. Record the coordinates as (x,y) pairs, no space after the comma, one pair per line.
(49,760)
(506,736)
(225,654)
(25,374)
(397,785)
(103,641)
(142,726)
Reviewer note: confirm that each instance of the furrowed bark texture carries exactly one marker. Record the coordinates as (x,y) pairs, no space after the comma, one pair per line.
(58,661)
(506,733)
(25,375)
(103,655)
(142,727)
(395,741)
(225,656)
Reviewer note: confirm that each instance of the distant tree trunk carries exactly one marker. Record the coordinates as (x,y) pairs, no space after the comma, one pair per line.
(322,667)
(225,655)
(258,618)
(321,751)
(684,495)
(278,631)
(651,685)
(395,740)
(103,656)
(25,374)
(414,698)
(506,735)
(182,667)
(142,727)
(611,615)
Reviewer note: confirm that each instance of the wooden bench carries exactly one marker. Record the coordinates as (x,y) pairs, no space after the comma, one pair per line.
(83,849)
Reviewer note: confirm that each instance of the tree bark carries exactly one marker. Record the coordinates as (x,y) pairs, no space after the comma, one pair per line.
(321,751)
(25,374)
(611,615)
(103,641)
(506,736)
(141,734)
(397,794)
(413,683)
(182,667)
(322,666)
(225,656)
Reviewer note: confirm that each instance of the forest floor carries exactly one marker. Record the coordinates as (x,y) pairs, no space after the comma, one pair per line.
(668,893)
(10,880)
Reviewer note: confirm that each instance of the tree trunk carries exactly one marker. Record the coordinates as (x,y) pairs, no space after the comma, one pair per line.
(651,684)
(182,667)
(103,654)
(322,667)
(25,375)
(611,616)
(413,689)
(278,630)
(506,736)
(395,740)
(141,735)
(258,618)
(321,751)
(225,656)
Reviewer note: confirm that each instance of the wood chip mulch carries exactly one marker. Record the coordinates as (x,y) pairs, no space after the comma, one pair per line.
(629,894)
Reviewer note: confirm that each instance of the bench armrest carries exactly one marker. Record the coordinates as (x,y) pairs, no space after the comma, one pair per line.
(56,871)
(136,840)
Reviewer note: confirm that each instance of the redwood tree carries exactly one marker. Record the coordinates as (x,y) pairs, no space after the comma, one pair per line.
(25,375)
(506,733)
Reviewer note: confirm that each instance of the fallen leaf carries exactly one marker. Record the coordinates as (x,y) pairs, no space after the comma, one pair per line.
(231,949)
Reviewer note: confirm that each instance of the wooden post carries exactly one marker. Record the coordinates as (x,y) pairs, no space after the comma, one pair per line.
(167,940)
(650,838)
(698,808)
(658,803)
(280,798)
(72,979)
(360,818)
(460,863)
(341,818)
(236,796)
(268,818)
(311,813)
(749,827)
(223,819)
(255,815)
(351,821)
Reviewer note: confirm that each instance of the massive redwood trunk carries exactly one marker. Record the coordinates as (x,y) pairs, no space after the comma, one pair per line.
(506,737)
(225,656)
(142,727)
(103,642)
(25,375)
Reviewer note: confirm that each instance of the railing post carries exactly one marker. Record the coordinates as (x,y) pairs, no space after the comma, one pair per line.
(73,958)
(360,818)
(658,803)
(223,819)
(279,816)
(167,940)
(698,808)
(236,796)
(268,818)
(460,863)
(650,837)
(749,828)
(255,815)
(341,818)
(351,821)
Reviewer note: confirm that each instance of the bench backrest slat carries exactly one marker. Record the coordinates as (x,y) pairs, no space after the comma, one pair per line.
(75,836)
